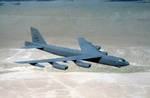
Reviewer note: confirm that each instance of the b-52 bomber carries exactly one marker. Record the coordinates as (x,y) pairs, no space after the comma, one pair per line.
(88,52)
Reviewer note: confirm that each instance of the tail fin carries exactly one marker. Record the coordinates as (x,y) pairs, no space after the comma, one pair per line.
(37,37)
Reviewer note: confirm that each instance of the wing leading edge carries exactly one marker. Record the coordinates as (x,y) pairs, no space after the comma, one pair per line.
(71,58)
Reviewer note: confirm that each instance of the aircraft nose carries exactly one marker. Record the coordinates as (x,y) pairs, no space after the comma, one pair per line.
(126,63)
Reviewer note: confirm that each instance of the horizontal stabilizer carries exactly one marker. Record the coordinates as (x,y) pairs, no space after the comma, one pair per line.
(32,45)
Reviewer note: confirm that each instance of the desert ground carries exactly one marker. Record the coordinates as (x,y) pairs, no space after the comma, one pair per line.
(120,28)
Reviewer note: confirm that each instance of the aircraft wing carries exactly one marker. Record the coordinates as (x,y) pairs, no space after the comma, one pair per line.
(87,47)
(61,59)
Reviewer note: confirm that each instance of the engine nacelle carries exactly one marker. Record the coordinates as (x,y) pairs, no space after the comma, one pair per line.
(97,47)
(59,66)
(105,53)
(36,64)
(82,64)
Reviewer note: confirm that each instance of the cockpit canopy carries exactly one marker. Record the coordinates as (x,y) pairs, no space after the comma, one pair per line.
(121,60)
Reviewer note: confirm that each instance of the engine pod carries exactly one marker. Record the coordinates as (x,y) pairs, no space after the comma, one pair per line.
(37,64)
(59,66)
(105,53)
(82,64)
(97,47)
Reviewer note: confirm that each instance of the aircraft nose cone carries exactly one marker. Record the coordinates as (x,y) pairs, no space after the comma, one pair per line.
(126,63)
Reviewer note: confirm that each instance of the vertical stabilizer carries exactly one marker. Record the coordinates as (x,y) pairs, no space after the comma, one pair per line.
(37,37)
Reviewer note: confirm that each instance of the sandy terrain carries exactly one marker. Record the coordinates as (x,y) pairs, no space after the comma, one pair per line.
(39,84)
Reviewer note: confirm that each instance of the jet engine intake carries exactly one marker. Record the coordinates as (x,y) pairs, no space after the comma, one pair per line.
(97,47)
(82,64)
(105,53)
(36,64)
(59,66)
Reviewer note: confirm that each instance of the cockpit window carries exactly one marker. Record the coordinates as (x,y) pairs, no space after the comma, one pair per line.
(121,60)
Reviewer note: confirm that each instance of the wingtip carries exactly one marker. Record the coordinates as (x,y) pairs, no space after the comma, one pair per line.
(19,62)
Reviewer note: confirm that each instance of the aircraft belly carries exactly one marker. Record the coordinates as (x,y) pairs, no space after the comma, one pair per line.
(104,61)
(95,60)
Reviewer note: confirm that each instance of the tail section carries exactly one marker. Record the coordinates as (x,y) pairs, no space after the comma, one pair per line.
(37,40)
(37,37)
(29,45)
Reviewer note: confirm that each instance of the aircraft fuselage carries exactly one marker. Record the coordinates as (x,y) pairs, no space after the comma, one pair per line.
(105,59)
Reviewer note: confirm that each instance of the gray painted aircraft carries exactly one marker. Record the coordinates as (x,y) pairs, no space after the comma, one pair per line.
(88,52)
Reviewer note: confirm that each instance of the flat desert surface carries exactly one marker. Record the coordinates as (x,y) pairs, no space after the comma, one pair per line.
(39,84)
